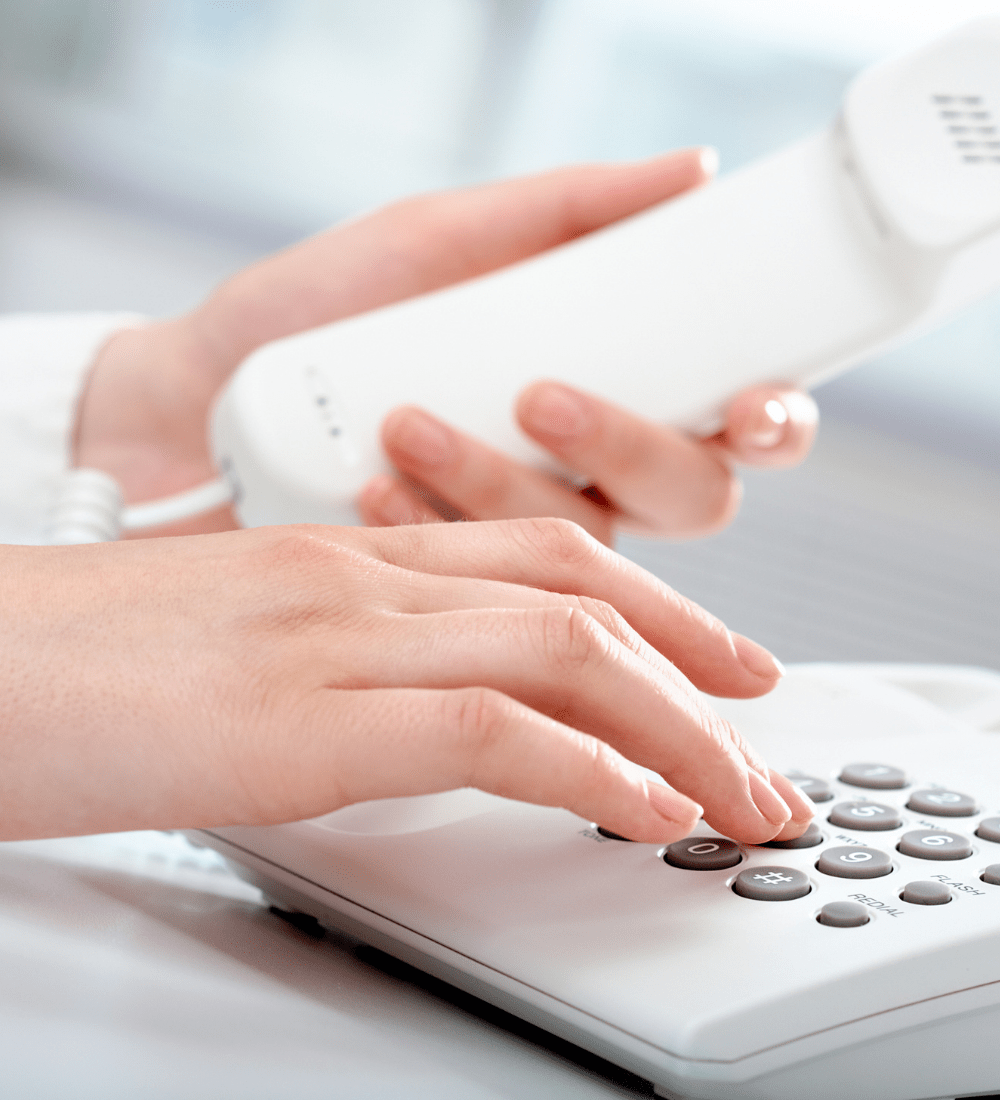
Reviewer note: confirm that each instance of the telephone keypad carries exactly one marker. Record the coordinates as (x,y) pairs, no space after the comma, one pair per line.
(852,860)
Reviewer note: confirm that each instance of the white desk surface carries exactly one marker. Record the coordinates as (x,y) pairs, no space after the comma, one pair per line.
(135,967)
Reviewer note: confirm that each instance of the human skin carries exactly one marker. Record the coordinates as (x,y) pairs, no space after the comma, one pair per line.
(260,695)
(261,676)
(143,415)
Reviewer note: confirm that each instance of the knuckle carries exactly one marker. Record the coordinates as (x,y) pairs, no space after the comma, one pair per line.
(601,762)
(562,543)
(609,618)
(572,640)
(303,546)
(480,718)
(724,740)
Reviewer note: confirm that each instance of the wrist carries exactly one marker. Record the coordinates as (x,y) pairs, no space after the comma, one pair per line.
(144,410)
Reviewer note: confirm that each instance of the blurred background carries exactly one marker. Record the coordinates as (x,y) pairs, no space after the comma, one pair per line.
(150,147)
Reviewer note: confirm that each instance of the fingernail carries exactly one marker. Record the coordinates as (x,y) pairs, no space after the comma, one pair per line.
(675,808)
(769,430)
(709,157)
(388,503)
(801,805)
(423,439)
(558,411)
(767,800)
(756,659)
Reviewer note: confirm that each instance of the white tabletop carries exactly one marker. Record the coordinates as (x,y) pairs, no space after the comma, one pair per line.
(133,966)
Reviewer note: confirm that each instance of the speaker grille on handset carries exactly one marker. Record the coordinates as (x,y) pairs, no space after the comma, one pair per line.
(971,126)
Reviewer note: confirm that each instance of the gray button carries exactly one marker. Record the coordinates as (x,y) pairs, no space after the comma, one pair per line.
(992,874)
(877,777)
(843,914)
(926,893)
(612,836)
(870,816)
(771,884)
(989,829)
(814,788)
(703,853)
(851,862)
(809,839)
(942,803)
(934,844)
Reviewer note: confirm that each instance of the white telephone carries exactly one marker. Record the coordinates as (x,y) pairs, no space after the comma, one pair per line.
(790,269)
(863,961)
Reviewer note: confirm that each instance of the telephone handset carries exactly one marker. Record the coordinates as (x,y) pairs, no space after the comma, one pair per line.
(791,269)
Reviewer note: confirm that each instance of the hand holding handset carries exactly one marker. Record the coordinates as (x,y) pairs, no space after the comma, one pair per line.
(789,270)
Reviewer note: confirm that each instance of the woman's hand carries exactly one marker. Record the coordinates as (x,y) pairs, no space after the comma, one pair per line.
(271,675)
(641,476)
(143,416)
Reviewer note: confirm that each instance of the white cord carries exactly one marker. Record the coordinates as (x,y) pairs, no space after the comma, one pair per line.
(89,507)
(192,502)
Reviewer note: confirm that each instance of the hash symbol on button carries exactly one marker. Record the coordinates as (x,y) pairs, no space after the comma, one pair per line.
(773,878)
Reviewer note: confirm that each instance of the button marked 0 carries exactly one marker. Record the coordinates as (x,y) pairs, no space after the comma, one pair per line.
(703,853)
